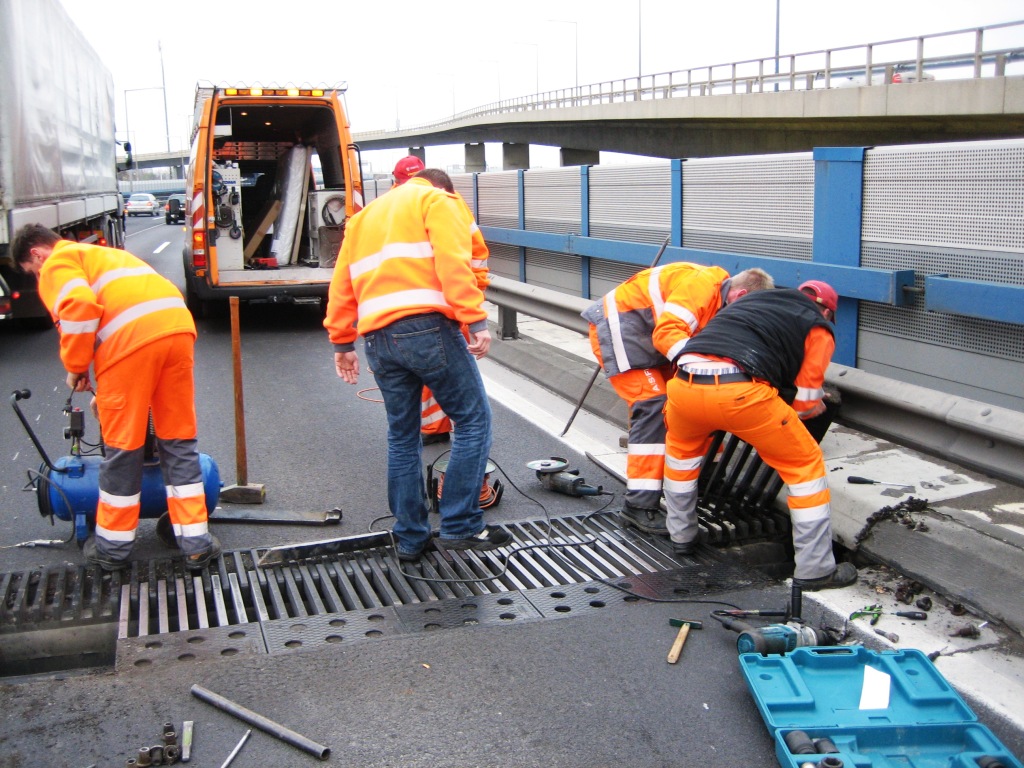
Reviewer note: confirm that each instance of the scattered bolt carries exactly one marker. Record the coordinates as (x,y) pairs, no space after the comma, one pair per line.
(967,630)
(892,637)
(924,603)
(957,609)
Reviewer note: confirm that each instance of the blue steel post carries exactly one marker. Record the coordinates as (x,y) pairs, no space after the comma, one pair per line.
(838,208)
(585,228)
(677,204)
(521,191)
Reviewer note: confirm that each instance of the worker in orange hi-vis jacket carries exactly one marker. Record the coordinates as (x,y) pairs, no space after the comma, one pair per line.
(636,330)
(130,324)
(435,426)
(405,284)
(729,378)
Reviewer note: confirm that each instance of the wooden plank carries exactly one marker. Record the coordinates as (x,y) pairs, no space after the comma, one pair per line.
(267,219)
(301,220)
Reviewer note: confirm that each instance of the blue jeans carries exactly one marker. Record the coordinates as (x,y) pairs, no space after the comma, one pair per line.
(430,349)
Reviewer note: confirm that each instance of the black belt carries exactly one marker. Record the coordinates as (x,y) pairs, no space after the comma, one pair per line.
(705,378)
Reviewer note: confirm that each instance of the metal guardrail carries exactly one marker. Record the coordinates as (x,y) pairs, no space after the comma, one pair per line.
(982,437)
(876,63)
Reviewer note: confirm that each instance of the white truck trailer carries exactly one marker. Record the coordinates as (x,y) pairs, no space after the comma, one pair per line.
(57,161)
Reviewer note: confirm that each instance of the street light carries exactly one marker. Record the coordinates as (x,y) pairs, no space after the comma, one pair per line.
(639,42)
(127,129)
(536,68)
(575,45)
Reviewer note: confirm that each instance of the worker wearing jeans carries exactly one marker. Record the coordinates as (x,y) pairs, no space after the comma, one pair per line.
(404,281)
(729,378)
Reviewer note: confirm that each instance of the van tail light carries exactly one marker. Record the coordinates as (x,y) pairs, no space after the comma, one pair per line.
(198,249)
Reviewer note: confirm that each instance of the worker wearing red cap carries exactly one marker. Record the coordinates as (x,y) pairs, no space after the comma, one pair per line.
(729,378)
(435,426)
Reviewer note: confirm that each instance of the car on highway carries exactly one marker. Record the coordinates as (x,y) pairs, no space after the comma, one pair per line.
(174,209)
(142,204)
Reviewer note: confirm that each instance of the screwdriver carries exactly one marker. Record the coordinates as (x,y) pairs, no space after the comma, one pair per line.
(857,480)
(915,615)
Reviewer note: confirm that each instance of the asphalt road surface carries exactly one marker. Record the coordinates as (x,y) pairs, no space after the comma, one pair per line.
(591,688)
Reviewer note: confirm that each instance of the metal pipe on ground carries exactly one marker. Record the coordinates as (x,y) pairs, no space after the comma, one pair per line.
(276,730)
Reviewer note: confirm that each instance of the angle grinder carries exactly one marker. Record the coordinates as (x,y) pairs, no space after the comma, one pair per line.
(554,475)
(775,638)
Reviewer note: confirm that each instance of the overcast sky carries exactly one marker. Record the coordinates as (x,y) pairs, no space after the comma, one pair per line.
(413,62)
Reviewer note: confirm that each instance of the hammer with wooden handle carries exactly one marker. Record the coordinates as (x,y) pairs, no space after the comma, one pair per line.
(685,625)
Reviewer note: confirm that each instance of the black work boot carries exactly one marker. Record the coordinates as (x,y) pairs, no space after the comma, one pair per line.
(844,575)
(646,520)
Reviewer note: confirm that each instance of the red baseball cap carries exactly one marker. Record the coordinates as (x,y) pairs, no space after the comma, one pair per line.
(406,168)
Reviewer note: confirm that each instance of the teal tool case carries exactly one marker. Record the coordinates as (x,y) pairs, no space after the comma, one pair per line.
(892,709)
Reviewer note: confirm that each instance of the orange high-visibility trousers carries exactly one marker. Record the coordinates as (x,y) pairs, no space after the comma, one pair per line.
(433,420)
(754,412)
(157,379)
(644,391)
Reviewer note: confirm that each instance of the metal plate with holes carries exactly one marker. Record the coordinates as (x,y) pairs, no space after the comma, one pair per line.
(574,599)
(291,635)
(478,609)
(190,645)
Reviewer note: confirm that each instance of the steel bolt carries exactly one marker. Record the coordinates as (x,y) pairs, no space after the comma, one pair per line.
(144,758)
(170,737)
(171,754)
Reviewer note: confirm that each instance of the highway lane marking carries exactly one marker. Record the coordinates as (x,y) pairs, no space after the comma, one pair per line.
(166,243)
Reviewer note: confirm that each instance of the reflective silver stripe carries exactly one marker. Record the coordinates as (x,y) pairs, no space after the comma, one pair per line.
(683,314)
(121,502)
(654,289)
(478,263)
(422,250)
(683,465)
(189,491)
(116,274)
(132,314)
(115,536)
(432,418)
(639,484)
(70,285)
(419,297)
(809,488)
(809,515)
(79,326)
(807,393)
(676,348)
(193,529)
(646,449)
(473,228)
(430,402)
(680,486)
(611,312)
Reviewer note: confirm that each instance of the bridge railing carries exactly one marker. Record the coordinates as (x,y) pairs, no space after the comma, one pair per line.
(991,51)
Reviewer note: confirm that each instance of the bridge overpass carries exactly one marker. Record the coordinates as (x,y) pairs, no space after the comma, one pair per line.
(892,92)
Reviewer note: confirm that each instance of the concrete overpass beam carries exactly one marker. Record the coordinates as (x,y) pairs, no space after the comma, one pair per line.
(419,152)
(570,156)
(515,157)
(476,161)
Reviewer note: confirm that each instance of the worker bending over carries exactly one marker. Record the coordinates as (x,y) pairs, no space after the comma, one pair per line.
(115,313)
(729,378)
(636,329)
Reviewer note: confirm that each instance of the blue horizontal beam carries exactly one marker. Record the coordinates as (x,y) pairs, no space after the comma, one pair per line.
(867,284)
(975,298)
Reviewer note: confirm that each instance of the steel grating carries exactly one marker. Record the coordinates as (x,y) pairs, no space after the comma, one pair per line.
(163,614)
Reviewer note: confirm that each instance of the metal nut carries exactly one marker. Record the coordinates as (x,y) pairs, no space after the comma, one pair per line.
(171,754)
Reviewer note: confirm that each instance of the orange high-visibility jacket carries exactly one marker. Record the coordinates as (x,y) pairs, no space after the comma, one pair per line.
(481,253)
(108,304)
(407,253)
(646,321)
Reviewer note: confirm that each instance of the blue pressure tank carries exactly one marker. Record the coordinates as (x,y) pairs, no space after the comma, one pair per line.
(71,490)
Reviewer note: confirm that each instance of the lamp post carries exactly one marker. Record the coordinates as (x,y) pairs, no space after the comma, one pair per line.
(163,87)
(639,42)
(536,66)
(575,45)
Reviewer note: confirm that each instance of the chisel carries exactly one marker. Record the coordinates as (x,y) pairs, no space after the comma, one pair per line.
(856,480)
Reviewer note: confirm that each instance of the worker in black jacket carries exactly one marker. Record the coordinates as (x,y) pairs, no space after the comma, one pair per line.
(729,378)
